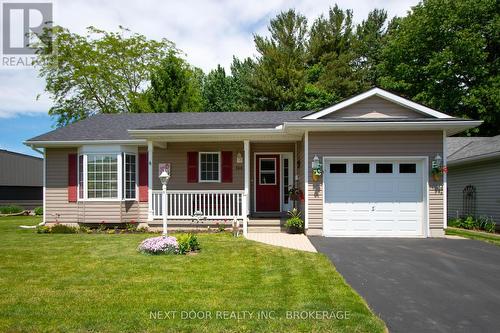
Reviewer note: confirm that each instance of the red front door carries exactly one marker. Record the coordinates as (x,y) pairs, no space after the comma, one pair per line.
(267,183)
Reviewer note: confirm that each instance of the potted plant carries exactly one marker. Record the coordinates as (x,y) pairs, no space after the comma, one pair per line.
(294,224)
(437,172)
(295,194)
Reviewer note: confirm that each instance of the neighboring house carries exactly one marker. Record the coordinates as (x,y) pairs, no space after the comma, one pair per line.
(474,177)
(376,149)
(21,180)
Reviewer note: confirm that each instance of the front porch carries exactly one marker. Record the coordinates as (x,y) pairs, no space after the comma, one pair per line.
(253,192)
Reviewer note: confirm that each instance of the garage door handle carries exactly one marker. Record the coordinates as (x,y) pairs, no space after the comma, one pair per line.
(373,208)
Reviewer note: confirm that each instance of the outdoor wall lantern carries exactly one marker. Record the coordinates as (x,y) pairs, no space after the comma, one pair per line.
(317,168)
(239,158)
(164,178)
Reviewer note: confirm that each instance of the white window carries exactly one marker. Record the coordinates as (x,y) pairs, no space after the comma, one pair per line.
(129,176)
(209,167)
(102,176)
(107,176)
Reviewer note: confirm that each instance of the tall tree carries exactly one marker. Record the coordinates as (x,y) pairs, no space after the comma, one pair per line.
(175,86)
(331,53)
(279,76)
(219,94)
(369,40)
(100,72)
(445,54)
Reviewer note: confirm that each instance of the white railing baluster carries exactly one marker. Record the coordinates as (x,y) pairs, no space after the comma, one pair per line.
(218,204)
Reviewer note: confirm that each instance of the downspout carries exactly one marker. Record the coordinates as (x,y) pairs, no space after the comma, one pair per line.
(43,175)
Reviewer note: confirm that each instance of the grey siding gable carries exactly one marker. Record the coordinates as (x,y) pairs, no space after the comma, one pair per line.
(485,177)
(375,107)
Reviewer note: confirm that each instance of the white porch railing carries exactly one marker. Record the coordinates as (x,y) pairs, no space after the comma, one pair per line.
(219,204)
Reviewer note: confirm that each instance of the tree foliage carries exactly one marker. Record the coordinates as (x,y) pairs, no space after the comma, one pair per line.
(446,54)
(100,72)
(175,87)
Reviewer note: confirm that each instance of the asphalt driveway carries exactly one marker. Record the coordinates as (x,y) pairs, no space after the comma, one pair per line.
(422,285)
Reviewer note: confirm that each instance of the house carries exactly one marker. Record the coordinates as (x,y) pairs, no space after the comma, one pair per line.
(474,177)
(374,152)
(21,180)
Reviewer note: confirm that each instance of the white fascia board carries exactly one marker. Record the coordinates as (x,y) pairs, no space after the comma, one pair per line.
(72,143)
(451,127)
(277,129)
(473,159)
(383,94)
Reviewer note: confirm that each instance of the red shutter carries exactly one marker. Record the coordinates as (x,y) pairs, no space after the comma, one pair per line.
(192,167)
(143,177)
(72,178)
(227,166)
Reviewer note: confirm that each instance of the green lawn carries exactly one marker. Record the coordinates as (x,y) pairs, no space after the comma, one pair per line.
(97,282)
(479,235)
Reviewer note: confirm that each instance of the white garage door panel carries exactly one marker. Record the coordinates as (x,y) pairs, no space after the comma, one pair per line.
(373,204)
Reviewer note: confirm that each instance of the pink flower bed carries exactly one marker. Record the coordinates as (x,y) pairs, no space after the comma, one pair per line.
(159,245)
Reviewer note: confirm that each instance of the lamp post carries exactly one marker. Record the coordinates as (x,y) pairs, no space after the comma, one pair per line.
(164,177)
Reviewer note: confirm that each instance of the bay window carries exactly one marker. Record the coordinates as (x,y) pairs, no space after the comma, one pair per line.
(107,176)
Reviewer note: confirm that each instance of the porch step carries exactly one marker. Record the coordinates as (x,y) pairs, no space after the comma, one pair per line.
(265,224)
(263,229)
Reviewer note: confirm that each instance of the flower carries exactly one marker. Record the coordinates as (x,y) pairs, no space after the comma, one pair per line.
(159,245)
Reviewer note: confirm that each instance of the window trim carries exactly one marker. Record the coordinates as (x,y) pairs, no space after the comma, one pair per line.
(219,175)
(274,159)
(120,160)
(124,170)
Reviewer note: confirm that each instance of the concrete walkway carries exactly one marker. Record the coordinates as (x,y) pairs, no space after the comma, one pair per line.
(296,242)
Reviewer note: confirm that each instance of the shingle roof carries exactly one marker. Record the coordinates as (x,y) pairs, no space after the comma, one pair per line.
(464,148)
(115,126)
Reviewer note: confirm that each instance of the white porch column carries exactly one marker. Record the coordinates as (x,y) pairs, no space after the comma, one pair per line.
(246,195)
(306,180)
(150,181)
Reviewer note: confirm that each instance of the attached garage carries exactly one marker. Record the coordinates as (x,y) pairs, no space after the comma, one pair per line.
(370,197)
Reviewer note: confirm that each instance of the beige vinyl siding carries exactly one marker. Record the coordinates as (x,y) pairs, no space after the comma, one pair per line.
(56,194)
(365,144)
(485,177)
(176,155)
(265,147)
(375,107)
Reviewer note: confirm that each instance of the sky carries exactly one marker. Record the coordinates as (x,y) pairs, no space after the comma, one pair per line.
(209,32)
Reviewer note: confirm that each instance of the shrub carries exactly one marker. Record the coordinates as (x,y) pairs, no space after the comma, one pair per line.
(295,220)
(159,245)
(455,222)
(11,209)
(188,243)
(486,223)
(132,226)
(469,223)
(42,229)
(38,211)
(63,229)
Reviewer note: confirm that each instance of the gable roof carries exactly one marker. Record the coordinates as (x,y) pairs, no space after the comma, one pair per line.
(465,149)
(382,94)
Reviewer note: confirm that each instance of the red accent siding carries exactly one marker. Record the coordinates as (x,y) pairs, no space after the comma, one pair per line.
(72,178)
(227,166)
(143,177)
(192,167)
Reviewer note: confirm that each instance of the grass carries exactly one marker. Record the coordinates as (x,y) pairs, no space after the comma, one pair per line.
(478,235)
(98,282)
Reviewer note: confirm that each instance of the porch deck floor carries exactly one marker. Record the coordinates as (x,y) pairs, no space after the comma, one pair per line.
(297,242)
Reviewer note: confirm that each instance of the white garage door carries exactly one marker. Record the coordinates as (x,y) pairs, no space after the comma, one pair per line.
(373,198)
